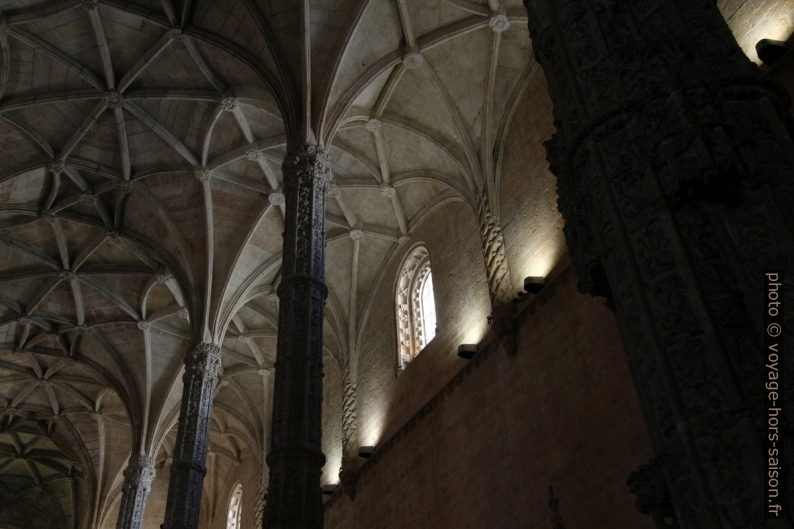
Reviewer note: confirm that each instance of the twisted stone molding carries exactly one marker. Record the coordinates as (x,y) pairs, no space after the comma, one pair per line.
(674,162)
(493,246)
(486,347)
(138,478)
(347,473)
(202,367)
(498,271)
(294,497)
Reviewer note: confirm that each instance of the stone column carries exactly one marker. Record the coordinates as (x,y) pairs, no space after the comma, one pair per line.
(503,311)
(348,472)
(190,452)
(294,498)
(138,478)
(675,161)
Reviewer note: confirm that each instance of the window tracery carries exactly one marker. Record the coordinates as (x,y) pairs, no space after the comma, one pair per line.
(415,304)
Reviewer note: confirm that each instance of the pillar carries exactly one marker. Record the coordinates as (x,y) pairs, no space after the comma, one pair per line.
(348,472)
(294,498)
(202,365)
(674,161)
(503,311)
(138,477)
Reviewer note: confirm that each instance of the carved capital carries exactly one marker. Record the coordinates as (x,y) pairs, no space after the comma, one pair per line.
(204,359)
(138,478)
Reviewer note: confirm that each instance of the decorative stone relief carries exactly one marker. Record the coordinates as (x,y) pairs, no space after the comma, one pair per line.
(294,498)
(664,130)
(413,60)
(410,321)
(202,366)
(347,473)
(202,173)
(138,478)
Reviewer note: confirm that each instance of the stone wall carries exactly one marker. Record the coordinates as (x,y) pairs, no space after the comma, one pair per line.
(484,450)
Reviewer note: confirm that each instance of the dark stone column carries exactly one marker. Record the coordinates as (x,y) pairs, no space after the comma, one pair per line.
(294,498)
(190,452)
(138,478)
(675,164)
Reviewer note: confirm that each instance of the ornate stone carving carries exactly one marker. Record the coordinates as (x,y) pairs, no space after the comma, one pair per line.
(113,99)
(348,472)
(653,495)
(229,104)
(413,59)
(202,366)
(499,22)
(667,180)
(202,173)
(261,498)
(57,167)
(496,267)
(254,154)
(410,323)
(373,125)
(387,190)
(276,199)
(294,497)
(88,199)
(138,478)
(356,234)
(493,246)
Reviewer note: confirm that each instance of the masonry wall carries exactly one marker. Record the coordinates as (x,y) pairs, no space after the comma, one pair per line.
(485,450)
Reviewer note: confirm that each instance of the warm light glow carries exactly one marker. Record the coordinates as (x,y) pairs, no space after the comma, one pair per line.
(541,261)
(770,20)
(428,309)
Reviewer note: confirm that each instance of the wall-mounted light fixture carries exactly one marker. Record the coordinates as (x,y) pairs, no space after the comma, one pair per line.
(534,284)
(329,488)
(366,452)
(467,350)
(770,51)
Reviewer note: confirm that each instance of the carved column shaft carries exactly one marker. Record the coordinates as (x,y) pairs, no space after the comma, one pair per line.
(295,459)
(138,478)
(674,161)
(503,311)
(493,246)
(347,474)
(190,452)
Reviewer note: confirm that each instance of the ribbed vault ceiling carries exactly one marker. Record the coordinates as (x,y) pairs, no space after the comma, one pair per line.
(140,203)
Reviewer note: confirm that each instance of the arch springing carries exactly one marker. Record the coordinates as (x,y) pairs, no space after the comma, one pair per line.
(415,306)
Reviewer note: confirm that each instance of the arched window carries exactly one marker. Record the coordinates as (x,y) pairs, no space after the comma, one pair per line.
(416,306)
(235,508)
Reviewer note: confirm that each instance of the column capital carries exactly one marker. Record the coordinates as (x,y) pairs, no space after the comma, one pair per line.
(204,358)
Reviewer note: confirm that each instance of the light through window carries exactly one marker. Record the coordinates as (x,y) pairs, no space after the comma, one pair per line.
(428,309)
(416,307)
(235,508)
